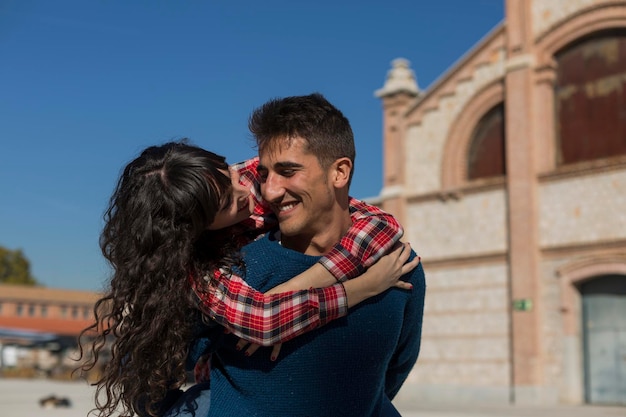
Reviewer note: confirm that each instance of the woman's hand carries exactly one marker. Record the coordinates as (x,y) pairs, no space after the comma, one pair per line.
(252,347)
(383,275)
(387,271)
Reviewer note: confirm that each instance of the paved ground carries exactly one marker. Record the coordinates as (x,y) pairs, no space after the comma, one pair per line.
(20,398)
(514,411)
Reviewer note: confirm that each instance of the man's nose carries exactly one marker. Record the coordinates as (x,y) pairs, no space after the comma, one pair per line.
(272,188)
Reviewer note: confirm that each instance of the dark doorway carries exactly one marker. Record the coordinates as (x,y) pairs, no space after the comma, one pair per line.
(604,326)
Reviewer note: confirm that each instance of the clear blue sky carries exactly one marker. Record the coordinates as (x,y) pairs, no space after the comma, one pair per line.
(86,84)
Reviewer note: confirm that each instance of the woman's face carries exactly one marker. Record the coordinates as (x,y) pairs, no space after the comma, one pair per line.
(236,205)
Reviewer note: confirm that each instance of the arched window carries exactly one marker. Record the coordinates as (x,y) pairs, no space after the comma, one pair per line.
(590,98)
(486,152)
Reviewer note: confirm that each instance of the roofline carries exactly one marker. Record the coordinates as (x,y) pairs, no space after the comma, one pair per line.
(458,64)
(38,294)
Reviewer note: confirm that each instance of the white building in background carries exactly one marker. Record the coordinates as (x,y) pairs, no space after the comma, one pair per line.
(509,176)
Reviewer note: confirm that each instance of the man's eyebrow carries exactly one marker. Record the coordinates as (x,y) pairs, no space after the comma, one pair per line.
(283,165)
(287,164)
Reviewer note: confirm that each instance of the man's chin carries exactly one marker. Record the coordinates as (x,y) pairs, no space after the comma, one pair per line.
(287,231)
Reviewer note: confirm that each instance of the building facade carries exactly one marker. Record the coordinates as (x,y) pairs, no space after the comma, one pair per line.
(509,176)
(39,328)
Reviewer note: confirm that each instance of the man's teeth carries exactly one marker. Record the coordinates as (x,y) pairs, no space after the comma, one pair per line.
(287,207)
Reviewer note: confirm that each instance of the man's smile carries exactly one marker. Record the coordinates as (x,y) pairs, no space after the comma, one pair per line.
(285,207)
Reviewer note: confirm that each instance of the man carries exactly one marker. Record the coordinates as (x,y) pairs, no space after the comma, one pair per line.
(355,365)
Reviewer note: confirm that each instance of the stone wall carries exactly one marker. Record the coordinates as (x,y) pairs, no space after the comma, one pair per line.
(470,225)
(583,209)
(465,340)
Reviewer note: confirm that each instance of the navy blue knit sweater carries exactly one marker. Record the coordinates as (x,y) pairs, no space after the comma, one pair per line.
(353,366)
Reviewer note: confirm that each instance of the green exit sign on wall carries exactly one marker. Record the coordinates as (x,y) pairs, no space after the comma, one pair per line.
(523,304)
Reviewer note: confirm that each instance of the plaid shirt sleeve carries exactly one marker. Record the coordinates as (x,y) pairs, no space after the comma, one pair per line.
(262,219)
(268,319)
(372,234)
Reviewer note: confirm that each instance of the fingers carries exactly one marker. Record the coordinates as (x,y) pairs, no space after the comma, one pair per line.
(400,255)
(253,348)
(403,285)
(411,265)
(406,268)
(241,344)
(405,253)
(234,174)
(275,352)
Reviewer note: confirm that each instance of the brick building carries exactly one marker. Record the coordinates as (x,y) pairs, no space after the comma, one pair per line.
(39,326)
(509,175)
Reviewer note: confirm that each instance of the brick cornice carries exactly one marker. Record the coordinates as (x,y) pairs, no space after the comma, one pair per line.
(585,168)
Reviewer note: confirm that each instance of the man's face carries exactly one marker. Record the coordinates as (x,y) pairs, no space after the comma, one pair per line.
(297,188)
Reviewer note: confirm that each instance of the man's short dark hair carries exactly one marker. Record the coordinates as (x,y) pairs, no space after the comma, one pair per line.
(313,118)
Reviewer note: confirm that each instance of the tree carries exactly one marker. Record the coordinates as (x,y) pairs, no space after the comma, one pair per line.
(15,268)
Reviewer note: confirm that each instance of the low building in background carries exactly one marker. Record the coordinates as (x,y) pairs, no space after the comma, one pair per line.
(39,329)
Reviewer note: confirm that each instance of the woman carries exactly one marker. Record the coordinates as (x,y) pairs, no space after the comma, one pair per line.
(172,272)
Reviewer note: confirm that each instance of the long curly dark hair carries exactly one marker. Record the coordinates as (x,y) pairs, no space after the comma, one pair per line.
(155,237)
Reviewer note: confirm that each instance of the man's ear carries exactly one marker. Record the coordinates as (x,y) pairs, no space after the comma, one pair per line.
(342,168)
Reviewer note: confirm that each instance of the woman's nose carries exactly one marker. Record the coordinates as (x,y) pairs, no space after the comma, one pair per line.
(241,191)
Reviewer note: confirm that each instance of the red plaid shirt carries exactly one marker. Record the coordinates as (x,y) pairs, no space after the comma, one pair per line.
(271,319)
(268,319)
